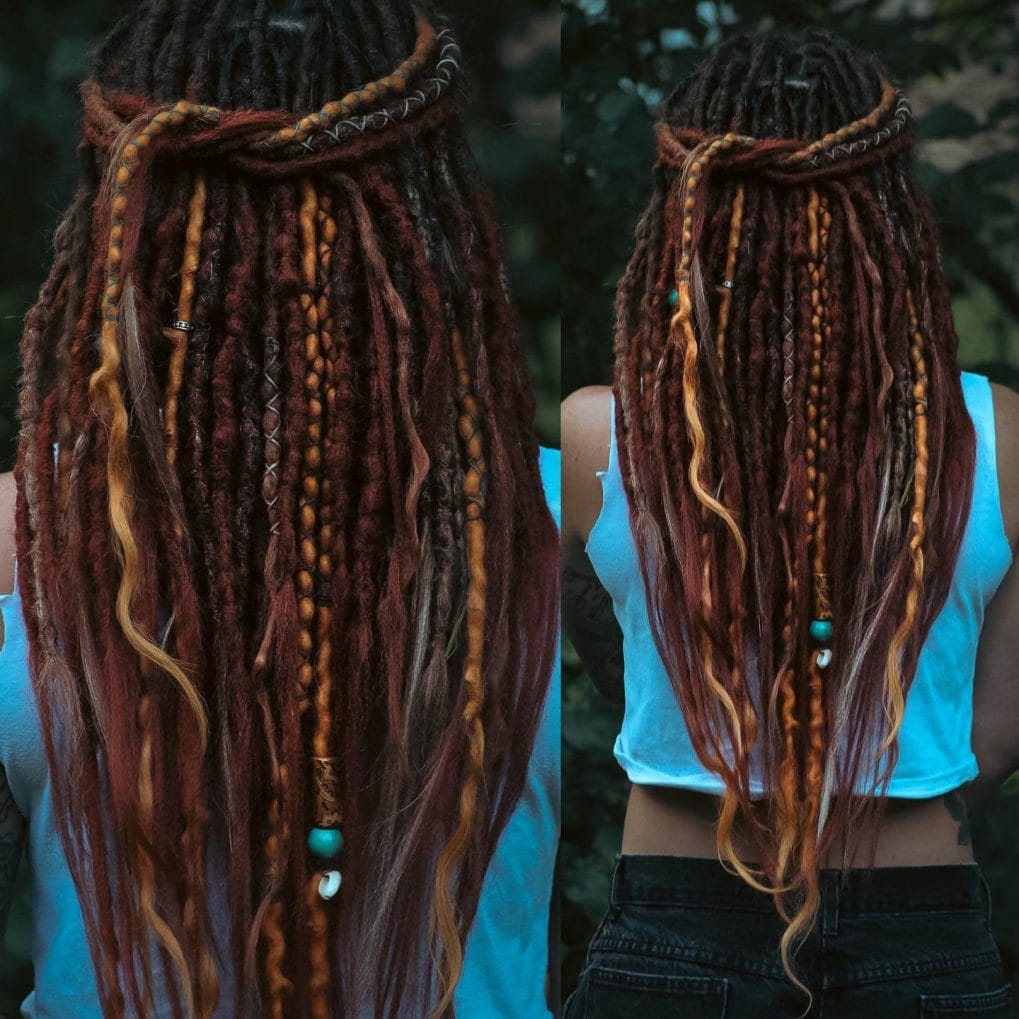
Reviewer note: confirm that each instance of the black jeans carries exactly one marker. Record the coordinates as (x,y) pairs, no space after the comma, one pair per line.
(683,938)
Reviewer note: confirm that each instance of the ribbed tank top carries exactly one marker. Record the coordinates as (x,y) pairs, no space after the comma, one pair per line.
(935,754)
(506,955)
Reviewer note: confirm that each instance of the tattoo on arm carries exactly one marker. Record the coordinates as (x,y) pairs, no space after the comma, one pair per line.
(956,806)
(594,629)
(12,837)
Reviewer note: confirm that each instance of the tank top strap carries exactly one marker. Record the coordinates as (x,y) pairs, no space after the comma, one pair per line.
(613,464)
(986,523)
(614,515)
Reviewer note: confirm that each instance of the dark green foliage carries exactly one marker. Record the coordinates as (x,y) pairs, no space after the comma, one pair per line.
(619,58)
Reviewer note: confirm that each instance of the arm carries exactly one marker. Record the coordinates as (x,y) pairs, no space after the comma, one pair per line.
(590,621)
(996,692)
(12,824)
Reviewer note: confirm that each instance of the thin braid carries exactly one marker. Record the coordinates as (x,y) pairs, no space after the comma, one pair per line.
(104,389)
(819,220)
(682,326)
(788,800)
(735,233)
(178,333)
(894,696)
(193,840)
(370,93)
(322,749)
(72,241)
(307,575)
(268,921)
(327,233)
(474,494)
(889,97)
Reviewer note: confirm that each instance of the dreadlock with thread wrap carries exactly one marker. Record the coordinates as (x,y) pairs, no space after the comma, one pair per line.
(785,344)
(288,577)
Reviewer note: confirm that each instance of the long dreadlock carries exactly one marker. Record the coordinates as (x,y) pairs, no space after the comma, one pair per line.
(291,567)
(784,334)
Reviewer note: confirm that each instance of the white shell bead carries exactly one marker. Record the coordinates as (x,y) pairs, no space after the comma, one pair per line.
(329,884)
(824,658)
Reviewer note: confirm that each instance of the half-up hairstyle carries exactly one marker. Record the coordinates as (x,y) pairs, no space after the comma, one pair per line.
(794,443)
(289,576)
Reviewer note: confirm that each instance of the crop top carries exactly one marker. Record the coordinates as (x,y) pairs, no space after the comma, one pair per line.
(935,754)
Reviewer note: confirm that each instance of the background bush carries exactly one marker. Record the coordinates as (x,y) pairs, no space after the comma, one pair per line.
(957,59)
(512,54)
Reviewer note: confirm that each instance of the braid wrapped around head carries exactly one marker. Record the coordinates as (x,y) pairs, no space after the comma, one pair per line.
(784,344)
(296,481)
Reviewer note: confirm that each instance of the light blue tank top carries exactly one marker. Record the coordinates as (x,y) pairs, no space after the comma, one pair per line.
(506,955)
(506,959)
(935,755)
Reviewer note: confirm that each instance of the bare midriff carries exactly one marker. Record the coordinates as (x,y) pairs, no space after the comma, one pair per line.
(913,833)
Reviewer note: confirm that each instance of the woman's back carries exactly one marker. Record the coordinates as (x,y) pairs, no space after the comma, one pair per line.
(957,681)
(935,755)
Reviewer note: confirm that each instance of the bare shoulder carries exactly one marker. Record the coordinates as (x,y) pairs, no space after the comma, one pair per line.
(8,498)
(587,430)
(1006,418)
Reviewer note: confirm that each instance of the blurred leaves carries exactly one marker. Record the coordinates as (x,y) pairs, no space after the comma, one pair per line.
(958,62)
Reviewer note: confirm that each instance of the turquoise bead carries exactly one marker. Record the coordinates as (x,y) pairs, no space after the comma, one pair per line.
(674,297)
(821,629)
(325,843)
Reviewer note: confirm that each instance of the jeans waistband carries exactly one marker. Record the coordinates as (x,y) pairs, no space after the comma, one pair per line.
(687,881)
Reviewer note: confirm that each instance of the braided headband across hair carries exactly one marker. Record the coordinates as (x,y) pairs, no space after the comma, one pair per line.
(881,133)
(418,95)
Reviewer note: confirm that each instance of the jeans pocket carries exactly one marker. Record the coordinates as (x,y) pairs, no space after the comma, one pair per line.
(611,993)
(990,1004)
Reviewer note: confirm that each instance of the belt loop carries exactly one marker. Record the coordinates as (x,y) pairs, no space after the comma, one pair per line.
(830,888)
(610,913)
(987,896)
(617,878)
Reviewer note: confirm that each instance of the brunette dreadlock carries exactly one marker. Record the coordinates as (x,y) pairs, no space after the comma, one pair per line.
(291,565)
(784,332)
